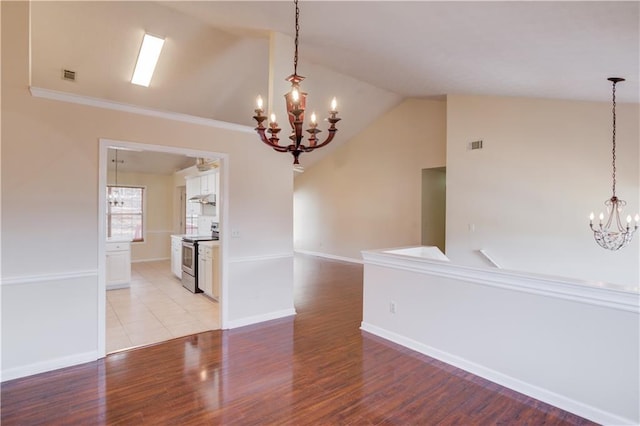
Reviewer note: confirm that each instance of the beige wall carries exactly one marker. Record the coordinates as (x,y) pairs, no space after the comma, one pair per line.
(50,196)
(158,218)
(545,165)
(524,198)
(367,194)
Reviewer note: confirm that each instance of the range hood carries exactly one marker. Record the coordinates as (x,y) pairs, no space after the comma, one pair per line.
(208,199)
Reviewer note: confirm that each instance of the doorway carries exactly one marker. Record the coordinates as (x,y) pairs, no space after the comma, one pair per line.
(434,197)
(155,306)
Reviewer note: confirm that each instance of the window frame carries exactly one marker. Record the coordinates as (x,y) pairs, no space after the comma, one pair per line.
(142,214)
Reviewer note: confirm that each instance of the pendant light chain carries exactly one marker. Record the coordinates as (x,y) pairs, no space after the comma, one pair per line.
(295,55)
(116,168)
(610,233)
(613,151)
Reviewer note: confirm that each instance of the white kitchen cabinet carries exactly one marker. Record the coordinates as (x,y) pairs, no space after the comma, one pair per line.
(208,183)
(118,264)
(205,269)
(215,271)
(202,184)
(176,255)
(209,186)
(193,186)
(193,190)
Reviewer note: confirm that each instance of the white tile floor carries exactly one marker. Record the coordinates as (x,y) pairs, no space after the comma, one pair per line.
(156,308)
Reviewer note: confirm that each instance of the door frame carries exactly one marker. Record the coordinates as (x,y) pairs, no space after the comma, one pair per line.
(104,145)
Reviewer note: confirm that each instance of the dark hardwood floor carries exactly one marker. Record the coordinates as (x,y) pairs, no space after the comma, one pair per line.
(315,369)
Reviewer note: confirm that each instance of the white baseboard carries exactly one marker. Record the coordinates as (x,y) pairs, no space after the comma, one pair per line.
(260,258)
(52,364)
(544,395)
(118,286)
(261,318)
(330,256)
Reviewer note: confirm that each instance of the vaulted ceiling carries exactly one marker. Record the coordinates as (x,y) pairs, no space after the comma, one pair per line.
(216,55)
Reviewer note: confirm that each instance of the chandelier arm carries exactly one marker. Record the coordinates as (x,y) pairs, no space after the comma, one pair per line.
(618,221)
(272,142)
(609,220)
(332,132)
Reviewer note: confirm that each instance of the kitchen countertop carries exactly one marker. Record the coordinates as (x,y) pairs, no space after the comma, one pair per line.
(118,240)
(213,242)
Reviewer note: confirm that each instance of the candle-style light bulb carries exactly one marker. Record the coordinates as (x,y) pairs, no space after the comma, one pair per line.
(259,102)
(313,118)
(295,95)
(334,105)
(591,216)
(273,118)
(637,217)
(601,216)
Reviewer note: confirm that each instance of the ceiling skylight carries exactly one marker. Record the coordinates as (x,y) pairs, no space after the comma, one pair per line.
(147,60)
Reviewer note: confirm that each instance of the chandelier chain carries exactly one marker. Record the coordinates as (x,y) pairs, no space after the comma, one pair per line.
(116,167)
(613,150)
(295,55)
(611,233)
(295,101)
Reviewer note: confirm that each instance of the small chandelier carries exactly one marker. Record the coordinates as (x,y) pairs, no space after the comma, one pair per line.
(114,196)
(612,235)
(296,103)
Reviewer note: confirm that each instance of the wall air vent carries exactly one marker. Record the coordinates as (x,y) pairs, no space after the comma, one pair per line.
(69,75)
(475,145)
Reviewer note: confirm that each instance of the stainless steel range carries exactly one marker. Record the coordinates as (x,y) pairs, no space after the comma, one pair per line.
(190,260)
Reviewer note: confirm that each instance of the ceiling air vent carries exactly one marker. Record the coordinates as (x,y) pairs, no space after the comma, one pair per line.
(69,75)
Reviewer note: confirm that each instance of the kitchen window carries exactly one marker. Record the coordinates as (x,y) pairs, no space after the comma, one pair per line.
(125,212)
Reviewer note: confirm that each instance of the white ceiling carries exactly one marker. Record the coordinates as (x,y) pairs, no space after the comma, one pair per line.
(159,163)
(428,48)
(216,54)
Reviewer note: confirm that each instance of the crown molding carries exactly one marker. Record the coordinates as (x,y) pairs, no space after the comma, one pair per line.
(38,92)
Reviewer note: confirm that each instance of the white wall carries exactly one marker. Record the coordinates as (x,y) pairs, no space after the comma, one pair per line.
(50,213)
(545,165)
(367,193)
(568,343)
